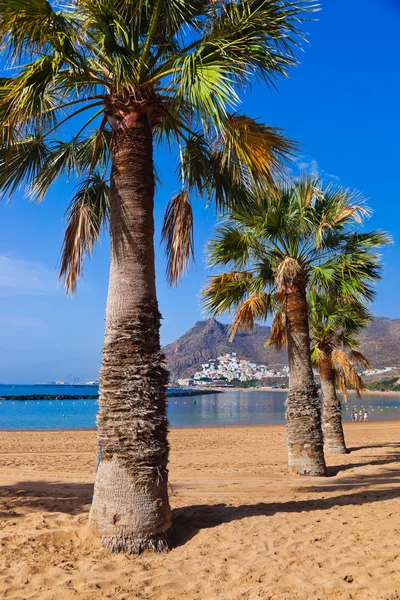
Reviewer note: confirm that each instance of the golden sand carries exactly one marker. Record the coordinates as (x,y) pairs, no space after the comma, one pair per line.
(243,528)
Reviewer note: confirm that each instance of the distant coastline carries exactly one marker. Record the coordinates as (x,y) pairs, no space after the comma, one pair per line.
(173,393)
(43,397)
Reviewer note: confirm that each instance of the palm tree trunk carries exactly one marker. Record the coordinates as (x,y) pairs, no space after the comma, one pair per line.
(304,431)
(130,508)
(332,415)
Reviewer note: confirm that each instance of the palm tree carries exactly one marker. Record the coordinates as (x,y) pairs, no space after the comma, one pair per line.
(333,326)
(277,247)
(334,323)
(146,72)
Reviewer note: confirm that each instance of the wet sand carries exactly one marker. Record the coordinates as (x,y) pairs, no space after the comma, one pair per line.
(244,529)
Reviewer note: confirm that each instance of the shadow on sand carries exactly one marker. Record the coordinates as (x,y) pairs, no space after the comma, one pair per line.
(356,490)
(189,520)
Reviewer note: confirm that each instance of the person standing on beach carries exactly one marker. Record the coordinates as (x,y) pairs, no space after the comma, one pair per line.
(360,416)
(353,416)
(365,416)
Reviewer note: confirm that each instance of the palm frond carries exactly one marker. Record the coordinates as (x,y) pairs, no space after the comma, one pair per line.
(177,234)
(256,307)
(225,292)
(317,355)
(278,332)
(360,359)
(21,161)
(87,213)
(343,364)
(245,144)
(230,245)
(340,384)
(74,157)
(28,26)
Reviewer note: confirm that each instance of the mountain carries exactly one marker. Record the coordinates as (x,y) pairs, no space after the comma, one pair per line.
(380,343)
(209,339)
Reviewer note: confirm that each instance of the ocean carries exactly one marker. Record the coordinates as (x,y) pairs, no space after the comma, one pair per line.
(211,410)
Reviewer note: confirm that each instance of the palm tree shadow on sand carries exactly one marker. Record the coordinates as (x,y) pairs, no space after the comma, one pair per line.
(74,499)
(189,520)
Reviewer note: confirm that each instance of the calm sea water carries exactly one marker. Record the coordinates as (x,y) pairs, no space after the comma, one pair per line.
(229,408)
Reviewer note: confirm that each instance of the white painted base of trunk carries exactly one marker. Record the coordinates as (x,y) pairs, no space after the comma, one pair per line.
(130,514)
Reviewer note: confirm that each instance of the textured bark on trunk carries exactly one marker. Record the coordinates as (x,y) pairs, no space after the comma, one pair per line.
(332,415)
(304,431)
(130,509)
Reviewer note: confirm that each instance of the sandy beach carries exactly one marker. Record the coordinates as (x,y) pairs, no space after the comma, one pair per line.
(244,529)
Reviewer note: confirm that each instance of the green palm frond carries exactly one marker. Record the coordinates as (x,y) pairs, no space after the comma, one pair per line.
(224,293)
(74,157)
(231,245)
(28,26)
(317,355)
(22,162)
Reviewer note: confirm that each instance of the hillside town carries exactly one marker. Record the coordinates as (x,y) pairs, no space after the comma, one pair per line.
(229,368)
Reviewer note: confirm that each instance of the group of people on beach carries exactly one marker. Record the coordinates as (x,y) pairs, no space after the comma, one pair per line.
(358,416)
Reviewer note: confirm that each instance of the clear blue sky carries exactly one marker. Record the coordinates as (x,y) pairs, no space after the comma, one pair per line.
(341,104)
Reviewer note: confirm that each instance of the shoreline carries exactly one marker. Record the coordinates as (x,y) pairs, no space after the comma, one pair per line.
(205,428)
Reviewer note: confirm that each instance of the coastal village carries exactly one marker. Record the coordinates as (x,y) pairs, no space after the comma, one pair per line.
(229,368)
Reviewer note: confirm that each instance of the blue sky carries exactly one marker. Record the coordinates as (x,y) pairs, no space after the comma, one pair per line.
(341,104)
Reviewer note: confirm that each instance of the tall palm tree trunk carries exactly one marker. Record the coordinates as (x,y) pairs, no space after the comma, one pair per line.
(130,507)
(304,432)
(332,415)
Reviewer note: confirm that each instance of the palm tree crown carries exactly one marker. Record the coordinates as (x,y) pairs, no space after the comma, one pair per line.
(179,63)
(334,326)
(304,231)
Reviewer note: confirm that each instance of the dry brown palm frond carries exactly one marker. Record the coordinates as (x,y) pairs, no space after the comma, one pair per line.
(287,272)
(340,384)
(357,212)
(278,332)
(308,188)
(360,359)
(79,241)
(177,234)
(343,364)
(255,307)
(87,213)
(260,148)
